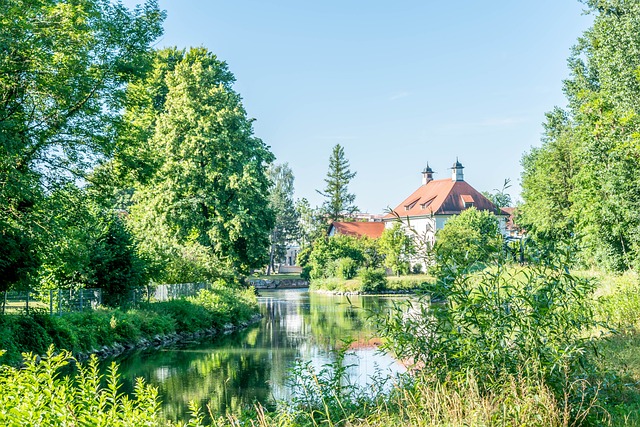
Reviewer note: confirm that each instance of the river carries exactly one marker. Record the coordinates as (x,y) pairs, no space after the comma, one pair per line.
(234,371)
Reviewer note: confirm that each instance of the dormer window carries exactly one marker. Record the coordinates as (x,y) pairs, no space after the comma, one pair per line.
(426,204)
(410,206)
(467,201)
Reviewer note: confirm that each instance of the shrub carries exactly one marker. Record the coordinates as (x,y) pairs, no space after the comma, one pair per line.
(326,251)
(61,332)
(346,268)
(40,392)
(500,321)
(89,330)
(305,274)
(373,279)
(188,316)
(29,335)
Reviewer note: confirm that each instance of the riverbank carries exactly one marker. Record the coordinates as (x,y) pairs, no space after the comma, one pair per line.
(406,284)
(107,332)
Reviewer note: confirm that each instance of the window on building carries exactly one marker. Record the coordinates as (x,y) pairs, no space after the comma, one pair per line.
(467,201)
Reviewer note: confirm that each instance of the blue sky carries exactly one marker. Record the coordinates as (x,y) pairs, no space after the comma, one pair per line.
(398,84)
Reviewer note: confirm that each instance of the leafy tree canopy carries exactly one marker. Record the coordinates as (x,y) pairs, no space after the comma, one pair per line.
(467,239)
(64,66)
(583,183)
(205,203)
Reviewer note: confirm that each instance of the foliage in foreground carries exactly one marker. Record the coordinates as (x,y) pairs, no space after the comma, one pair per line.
(39,394)
(500,322)
(327,397)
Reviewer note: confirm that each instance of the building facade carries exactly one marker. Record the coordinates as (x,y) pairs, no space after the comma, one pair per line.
(428,208)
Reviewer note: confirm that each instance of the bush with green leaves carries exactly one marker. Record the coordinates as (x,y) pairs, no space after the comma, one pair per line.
(467,240)
(327,251)
(227,305)
(398,248)
(503,320)
(39,394)
(373,279)
(346,268)
(92,329)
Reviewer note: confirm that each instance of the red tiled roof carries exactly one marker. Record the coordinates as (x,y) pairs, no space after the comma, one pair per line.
(442,197)
(359,229)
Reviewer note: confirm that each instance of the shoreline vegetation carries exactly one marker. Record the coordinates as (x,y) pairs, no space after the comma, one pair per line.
(111,331)
(607,392)
(376,284)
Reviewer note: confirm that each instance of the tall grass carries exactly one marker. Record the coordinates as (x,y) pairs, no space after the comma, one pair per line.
(325,399)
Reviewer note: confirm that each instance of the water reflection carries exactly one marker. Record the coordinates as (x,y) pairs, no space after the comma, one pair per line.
(233,372)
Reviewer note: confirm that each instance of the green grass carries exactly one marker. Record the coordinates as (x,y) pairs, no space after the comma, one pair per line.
(93,329)
(407,283)
(621,359)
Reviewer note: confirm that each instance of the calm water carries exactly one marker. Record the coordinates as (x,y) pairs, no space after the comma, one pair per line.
(234,371)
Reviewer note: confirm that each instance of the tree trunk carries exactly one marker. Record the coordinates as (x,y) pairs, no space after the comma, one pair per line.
(271,252)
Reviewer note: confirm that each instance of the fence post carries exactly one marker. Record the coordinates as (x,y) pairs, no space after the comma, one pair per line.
(50,302)
(27,304)
(59,302)
(4,301)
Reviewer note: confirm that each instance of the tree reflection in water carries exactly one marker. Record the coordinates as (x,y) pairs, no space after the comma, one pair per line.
(235,371)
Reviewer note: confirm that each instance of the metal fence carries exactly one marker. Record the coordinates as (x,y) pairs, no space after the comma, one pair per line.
(58,301)
(55,301)
(176,291)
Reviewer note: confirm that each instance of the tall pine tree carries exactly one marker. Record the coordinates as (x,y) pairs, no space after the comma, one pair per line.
(338,201)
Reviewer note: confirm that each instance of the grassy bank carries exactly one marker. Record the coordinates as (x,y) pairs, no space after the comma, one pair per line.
(407,283)
(90,330)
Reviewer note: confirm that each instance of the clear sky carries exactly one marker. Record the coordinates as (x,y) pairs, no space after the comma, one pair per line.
(397,83)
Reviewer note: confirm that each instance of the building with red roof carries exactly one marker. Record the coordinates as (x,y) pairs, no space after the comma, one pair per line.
(429,207)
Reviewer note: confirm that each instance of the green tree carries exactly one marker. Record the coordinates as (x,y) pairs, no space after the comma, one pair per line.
(584,182)
(286,228)
(397,247)
(500,198)
(114,263)
(206,204)
(471,238)
(312,223)
(338,201)
(63,68)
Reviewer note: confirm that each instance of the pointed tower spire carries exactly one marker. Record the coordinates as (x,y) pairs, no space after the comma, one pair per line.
(456,171)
